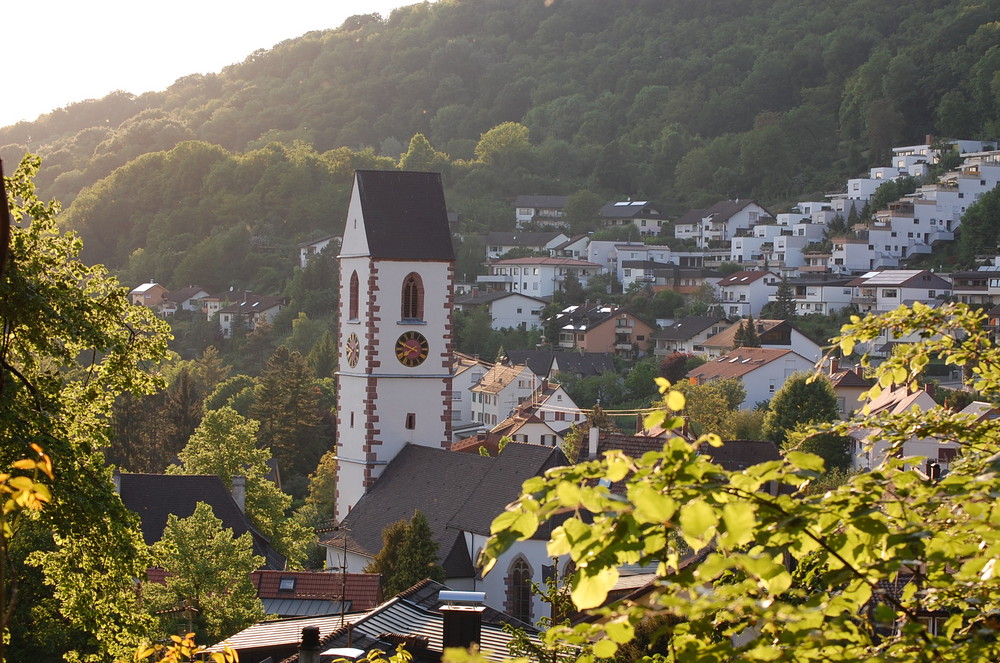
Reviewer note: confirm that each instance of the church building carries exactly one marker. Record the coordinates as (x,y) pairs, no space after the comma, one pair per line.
(395,329)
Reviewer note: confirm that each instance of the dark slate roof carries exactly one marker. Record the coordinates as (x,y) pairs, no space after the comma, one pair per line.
(452,490)
(538,362)
(584,364)
(737,455)
(156,496)
(184,294)
(413,618)
(688,327)
(404,215)
(631,209)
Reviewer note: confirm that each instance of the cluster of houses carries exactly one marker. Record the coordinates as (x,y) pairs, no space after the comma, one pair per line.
(421,427)
(233,309)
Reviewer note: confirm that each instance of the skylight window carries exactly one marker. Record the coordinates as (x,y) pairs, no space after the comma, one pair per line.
(286,585)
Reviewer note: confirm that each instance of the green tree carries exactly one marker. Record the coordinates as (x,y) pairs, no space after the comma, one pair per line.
(387,559)
(225,444)
(418,557)
(582,211)
(794,574)
(208,573)
(803,399)
(287,406)
(747,335)
(783,306)
(503,144)
(710,406)
(422,157)
(70,343)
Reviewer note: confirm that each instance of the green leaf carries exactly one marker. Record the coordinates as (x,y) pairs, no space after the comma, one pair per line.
(591,589)
(650,505)
(739,520)
(698,521)
(605,648)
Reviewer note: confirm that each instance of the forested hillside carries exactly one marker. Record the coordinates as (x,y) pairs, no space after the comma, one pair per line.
(682,102)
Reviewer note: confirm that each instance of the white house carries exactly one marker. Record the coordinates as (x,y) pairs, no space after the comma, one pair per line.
(467,371)
(878,292)
(574,247)
(308,250)
(762,371)
(507,310)
(687,334)
(820,293)
(645,217)
(543,210)
(249,312)
(500,391)
(721,222)
(537,277)
(745,293)
(499,243)
(773,334)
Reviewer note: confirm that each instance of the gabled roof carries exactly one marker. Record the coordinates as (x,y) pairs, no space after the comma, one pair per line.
(184,294)
(745,277)
(631,209)
(492,296)
(687,328)
(254,304)
(454,491)
(414,617)
(361,590)
(144,287)
(544,260)
(726,337)
(849,378)
(739,362)
(584,364)
(405,217)
(724,209)
(525,240)
(156,496)
(499,377)
(901,278)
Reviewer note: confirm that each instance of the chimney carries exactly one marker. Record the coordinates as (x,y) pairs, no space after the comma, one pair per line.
(462,617)
(593,435)
(834,365)
(239,491)
(309,647)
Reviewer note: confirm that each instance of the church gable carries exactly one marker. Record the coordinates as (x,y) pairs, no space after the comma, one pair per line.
(403,215)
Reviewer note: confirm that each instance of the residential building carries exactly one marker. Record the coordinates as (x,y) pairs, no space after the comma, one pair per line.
(185,299)
(687,334)
(879,292)
(574,247)
(870,448)
(644,216)
(151,295)
(307,250)
(721,222)
(540,210)
(977,288)
(304,593)
(499,243)
(763,371)
(507,310)
(156,497)
(500,391)
(744,293)
(819,293)
(601,328)
(775,334)
(467,371)
(537,277)
(249,313)
(685,280)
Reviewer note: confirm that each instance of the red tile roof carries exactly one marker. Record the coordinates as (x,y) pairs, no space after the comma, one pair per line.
(362,589)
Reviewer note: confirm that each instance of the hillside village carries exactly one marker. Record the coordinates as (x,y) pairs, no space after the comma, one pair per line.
(506,420)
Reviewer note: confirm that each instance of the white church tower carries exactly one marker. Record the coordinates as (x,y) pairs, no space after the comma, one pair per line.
(395,331)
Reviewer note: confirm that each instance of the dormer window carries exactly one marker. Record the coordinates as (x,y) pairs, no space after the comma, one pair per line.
(286,584)
(413,297)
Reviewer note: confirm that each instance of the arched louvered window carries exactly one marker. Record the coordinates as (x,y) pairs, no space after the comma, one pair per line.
(413,297)
(355,297)
(519,590)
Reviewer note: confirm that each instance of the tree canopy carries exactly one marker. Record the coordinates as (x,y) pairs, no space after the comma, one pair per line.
(889,565)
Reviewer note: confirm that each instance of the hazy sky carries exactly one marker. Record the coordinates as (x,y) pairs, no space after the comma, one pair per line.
(56,52)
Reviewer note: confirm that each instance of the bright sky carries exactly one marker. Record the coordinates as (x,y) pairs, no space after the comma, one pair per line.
(56,52)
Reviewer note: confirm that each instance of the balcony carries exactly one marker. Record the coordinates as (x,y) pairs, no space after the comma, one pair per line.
(863,300)
(495,278)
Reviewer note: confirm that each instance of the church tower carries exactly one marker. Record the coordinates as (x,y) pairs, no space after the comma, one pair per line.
(395,331)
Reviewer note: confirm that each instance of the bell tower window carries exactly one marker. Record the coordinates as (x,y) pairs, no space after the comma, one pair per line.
(354,297)
(413,297)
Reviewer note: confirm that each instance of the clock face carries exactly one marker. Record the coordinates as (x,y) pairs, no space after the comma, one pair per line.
(353,350)
(411,348)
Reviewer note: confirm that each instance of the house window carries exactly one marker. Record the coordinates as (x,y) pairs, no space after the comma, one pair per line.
(413,297)
(519,590)
(352,420)
(889,294)
(354,297)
